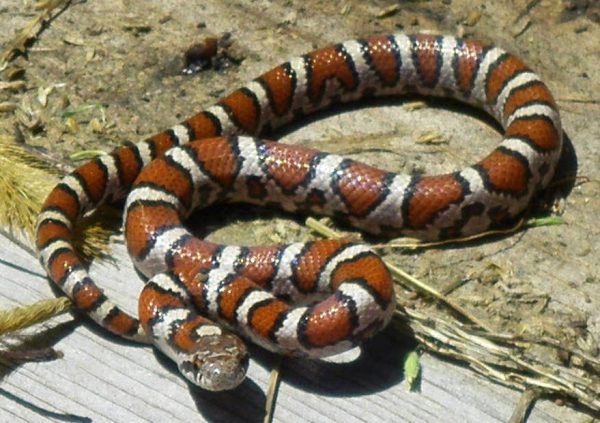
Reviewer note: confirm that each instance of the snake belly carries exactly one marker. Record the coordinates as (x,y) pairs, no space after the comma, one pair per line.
(316,298)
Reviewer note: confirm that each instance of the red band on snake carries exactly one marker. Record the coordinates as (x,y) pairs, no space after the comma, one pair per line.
(311,299)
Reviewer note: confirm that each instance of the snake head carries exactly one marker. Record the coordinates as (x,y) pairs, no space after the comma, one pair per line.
(218,364)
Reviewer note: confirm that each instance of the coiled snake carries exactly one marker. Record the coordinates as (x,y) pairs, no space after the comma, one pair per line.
(311,299)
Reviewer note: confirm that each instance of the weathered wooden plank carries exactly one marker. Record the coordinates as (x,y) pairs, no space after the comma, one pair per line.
(103,379)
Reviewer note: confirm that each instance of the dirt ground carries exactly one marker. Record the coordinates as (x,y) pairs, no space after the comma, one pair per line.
(101,73)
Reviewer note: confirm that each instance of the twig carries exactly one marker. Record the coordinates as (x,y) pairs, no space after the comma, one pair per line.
(273,390)
(34,27)
(414,282)
(524,405)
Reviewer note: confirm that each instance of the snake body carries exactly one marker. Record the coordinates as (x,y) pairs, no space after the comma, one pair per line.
(312,299)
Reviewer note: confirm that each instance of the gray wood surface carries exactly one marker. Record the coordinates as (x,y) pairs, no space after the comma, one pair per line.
(102,379)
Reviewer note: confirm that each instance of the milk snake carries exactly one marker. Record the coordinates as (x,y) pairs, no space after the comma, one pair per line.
(310,299)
